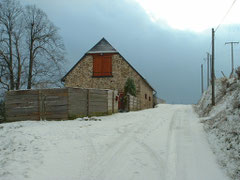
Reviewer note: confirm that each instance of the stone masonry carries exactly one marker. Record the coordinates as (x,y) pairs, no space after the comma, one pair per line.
(82,76)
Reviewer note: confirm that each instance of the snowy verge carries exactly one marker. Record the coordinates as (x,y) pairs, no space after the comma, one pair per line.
(166,142)
(222,123)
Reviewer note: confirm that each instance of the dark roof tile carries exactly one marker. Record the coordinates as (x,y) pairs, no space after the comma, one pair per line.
(103,46)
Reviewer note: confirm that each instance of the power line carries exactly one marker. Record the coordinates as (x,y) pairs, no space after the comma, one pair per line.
(225,15)
(232,43)
(210,46)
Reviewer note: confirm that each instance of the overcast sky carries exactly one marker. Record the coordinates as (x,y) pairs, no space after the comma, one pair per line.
(165,42)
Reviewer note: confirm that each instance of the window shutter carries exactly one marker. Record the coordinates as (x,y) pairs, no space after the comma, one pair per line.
(97,65)
(107,66)
(102,65)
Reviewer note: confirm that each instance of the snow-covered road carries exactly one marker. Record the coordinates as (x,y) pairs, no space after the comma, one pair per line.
(164,143)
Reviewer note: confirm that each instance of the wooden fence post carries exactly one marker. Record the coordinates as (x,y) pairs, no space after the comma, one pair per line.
(88,101)
(113,101)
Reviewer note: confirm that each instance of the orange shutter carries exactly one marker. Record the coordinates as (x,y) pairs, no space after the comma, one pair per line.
(107,66)
(97,65)
(102,65)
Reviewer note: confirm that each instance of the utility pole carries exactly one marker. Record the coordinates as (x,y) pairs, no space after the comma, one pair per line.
(202,78)
(208,57)
(210,69)
(232,43)
(213,73)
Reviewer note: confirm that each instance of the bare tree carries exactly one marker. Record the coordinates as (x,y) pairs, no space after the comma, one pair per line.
(20,54)
(45,48)
(31,50)
(10,16)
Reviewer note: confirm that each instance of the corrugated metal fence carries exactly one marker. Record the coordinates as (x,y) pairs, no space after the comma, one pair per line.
(59,104)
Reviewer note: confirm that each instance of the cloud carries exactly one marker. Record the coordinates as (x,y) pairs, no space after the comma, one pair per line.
(169,59)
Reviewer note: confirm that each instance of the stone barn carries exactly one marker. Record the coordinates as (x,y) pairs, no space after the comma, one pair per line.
(104,67)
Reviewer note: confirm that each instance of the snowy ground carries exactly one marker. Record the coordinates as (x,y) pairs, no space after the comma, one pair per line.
(165,143)
(221,123)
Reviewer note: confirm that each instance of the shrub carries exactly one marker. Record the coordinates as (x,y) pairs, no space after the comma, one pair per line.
(130,87)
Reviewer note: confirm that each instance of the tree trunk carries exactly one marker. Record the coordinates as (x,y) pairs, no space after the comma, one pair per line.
(30,68)
(11,62)
(31,58)
(19,66)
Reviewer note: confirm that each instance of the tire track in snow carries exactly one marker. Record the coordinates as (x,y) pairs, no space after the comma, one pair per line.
(113,151)
(171,156)
(179,135)
(127,142)
(155,158)
(90,142)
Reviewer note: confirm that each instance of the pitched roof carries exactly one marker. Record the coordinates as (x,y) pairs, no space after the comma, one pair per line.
(103,46)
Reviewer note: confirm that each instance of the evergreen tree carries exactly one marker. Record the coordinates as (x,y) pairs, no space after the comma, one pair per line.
(130,87)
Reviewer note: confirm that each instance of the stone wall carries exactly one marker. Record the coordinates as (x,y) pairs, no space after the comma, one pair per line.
(146,96)
(82,76)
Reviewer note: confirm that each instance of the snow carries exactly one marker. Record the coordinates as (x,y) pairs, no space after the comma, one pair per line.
(221,123)
(166,143)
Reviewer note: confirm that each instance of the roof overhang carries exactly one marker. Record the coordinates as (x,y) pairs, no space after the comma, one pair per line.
(100,52)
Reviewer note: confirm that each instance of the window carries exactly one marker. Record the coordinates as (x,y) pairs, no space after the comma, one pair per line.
(102,65)
(149,98)
(145,96)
